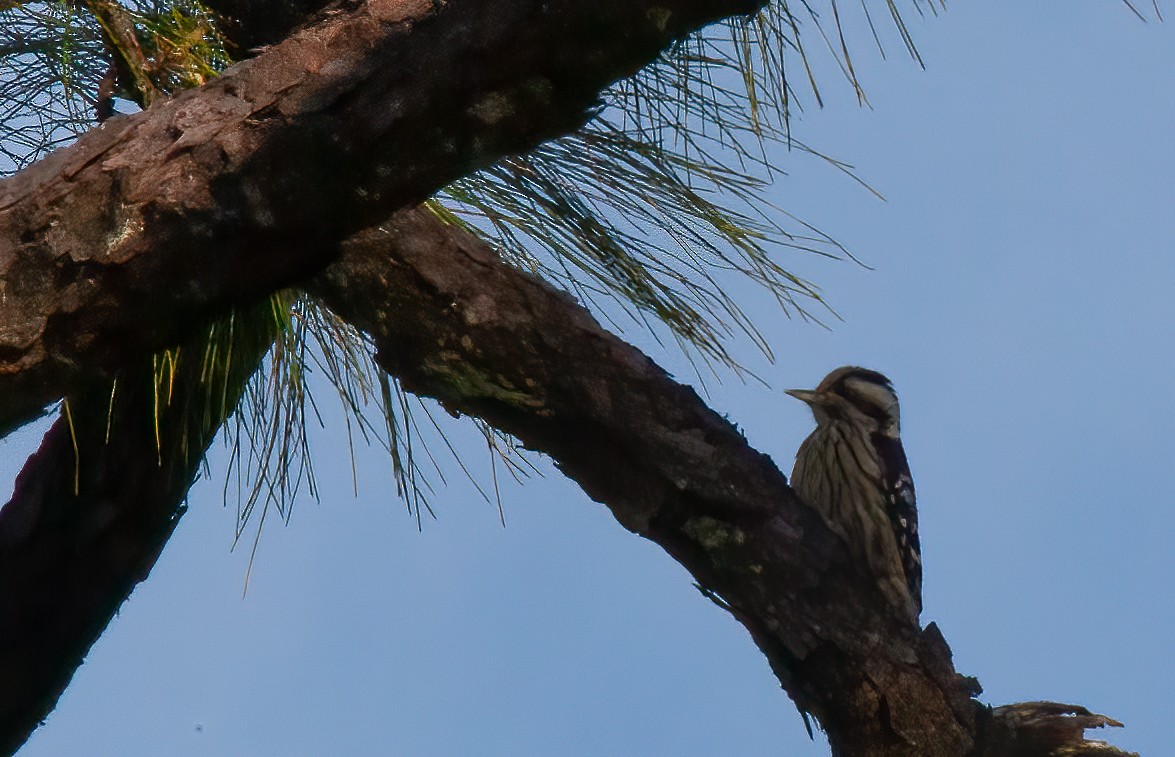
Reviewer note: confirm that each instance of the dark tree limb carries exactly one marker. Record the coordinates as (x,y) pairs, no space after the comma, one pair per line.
(455,323)
(110,247)
(91,511)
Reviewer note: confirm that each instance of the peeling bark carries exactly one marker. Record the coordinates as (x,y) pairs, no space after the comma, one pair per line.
(1029,729)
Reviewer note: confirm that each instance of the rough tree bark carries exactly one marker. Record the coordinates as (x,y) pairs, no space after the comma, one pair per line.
(158,220)
(452,322)
(489,341)
(455,323)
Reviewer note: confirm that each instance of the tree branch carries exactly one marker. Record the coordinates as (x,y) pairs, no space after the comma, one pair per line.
(110,247)
(455,323)
(91,511)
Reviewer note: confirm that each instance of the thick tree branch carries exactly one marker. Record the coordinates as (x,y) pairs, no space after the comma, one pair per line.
(110,247)
(91,511)
(455,323)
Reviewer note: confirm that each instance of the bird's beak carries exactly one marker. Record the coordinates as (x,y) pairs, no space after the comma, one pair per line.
(803,395)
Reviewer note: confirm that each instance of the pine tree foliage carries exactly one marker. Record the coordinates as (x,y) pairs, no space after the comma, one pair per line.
(648,213)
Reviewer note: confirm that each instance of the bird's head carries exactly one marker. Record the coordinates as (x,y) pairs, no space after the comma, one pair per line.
(855,395)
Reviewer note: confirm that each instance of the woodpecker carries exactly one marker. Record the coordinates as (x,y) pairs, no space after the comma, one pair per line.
(852,469)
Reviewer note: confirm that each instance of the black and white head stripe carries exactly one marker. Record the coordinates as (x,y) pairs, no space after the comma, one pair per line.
(869,392)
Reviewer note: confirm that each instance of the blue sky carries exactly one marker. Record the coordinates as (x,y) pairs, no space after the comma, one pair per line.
(1023,302)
